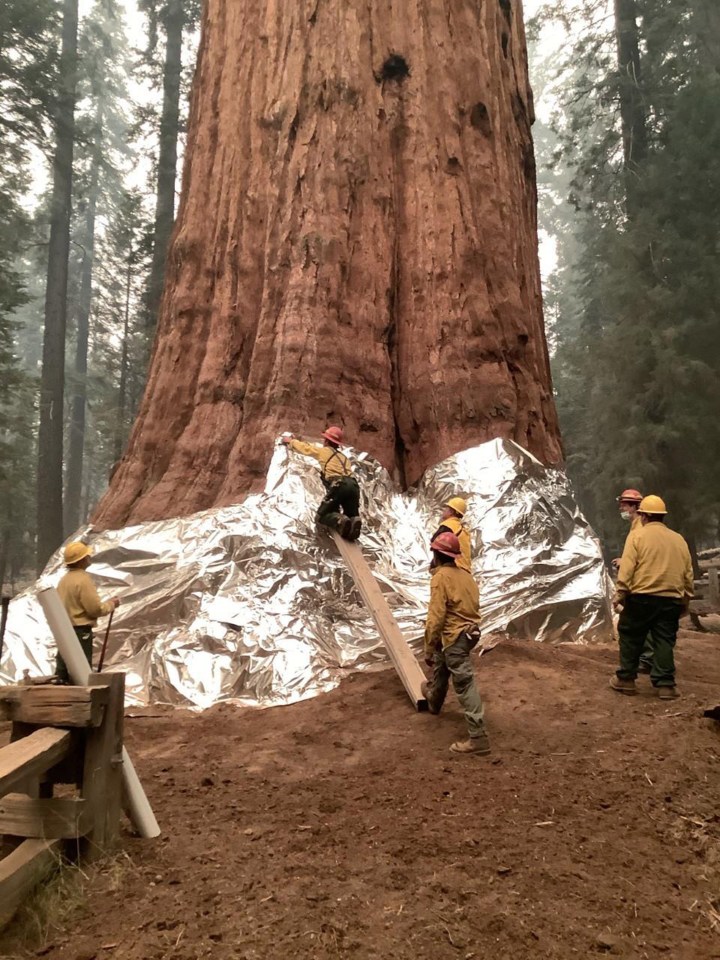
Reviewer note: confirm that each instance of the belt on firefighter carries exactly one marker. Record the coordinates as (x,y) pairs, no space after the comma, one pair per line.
(473,633)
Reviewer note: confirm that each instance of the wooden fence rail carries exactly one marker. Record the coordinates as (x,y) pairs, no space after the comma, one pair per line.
(61,735)
(707,594)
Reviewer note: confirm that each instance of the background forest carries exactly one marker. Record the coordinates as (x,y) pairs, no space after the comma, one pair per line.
(93,102)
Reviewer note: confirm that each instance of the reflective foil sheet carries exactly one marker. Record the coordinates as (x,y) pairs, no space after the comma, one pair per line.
(252,603)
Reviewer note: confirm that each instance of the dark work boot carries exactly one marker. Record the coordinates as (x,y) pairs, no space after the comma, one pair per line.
(355,528)
(623,686)
(479,745)
(425,690)
(344,527)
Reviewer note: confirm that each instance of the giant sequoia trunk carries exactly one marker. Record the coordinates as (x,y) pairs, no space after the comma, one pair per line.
(356,244)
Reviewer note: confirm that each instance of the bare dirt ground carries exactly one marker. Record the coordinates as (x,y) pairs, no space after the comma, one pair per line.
(342,827)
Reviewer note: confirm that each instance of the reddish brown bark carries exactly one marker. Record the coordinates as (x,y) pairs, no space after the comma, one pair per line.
(356,243)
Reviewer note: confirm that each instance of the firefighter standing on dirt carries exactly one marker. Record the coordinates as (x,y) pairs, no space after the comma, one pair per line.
(451,521)
(81,601)
(629,502)
(654,587)
(452,630)
(343,490)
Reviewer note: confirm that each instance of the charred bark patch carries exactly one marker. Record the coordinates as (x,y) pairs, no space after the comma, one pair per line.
(520,110)
(480,119)
(395,68)
(529,162)
(292,132)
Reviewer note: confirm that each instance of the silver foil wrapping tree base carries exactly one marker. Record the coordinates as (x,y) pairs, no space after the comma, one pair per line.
(252,602)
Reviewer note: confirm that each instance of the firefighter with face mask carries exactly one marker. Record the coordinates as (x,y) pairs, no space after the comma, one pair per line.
(629,501)
(654,587)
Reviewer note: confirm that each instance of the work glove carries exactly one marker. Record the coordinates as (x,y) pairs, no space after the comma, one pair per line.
(617,604)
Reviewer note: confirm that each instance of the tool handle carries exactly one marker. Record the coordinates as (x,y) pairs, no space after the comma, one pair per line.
(105,642)
(5,601)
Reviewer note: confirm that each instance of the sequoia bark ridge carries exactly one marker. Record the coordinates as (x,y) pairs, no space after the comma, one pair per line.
(356,244)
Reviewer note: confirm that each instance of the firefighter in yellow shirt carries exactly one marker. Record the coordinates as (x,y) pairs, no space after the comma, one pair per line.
(452,631)
(451,521)
(654,587)
(81,601)
(629,502)
(341,507)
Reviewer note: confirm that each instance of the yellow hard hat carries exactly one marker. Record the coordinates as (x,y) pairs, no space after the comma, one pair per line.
(652,504)
(75,552)
(457,504)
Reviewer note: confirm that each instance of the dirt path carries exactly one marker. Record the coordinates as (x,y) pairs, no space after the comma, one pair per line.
(341,827)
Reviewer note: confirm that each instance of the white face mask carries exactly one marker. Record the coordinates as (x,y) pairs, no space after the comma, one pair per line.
(625,515)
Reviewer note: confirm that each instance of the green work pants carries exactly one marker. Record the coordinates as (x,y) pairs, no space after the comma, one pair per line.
(85,636)
(342,494)
(645,613)
(647,654)
(454,661)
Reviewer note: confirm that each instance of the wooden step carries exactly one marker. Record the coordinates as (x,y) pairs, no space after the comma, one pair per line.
(402,657)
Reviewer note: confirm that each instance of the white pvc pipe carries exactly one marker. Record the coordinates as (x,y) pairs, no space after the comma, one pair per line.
(138,805)
(139,809)
(67,641)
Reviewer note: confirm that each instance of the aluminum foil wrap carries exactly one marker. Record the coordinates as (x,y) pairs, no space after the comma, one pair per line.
(252,603)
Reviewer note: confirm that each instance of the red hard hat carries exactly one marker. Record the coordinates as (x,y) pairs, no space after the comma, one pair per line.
(446,543)
(633,496)
(334,434)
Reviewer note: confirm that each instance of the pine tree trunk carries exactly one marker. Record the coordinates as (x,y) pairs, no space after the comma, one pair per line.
(174,20)
(52,383)
(76,445)
(632,105)
(4,551)
(123,387)
(706,21)
(356,243)
(88,496)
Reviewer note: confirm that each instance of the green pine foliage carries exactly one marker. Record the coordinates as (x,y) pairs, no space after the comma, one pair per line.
(635,300)
(27,75)
(117,132)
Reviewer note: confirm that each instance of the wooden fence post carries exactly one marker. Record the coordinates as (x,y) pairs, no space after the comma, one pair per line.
(102,772)
(714,587)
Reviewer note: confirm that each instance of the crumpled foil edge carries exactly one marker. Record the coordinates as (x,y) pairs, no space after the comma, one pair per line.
(252,603)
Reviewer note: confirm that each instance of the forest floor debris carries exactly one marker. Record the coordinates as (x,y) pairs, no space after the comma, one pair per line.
(342,827)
